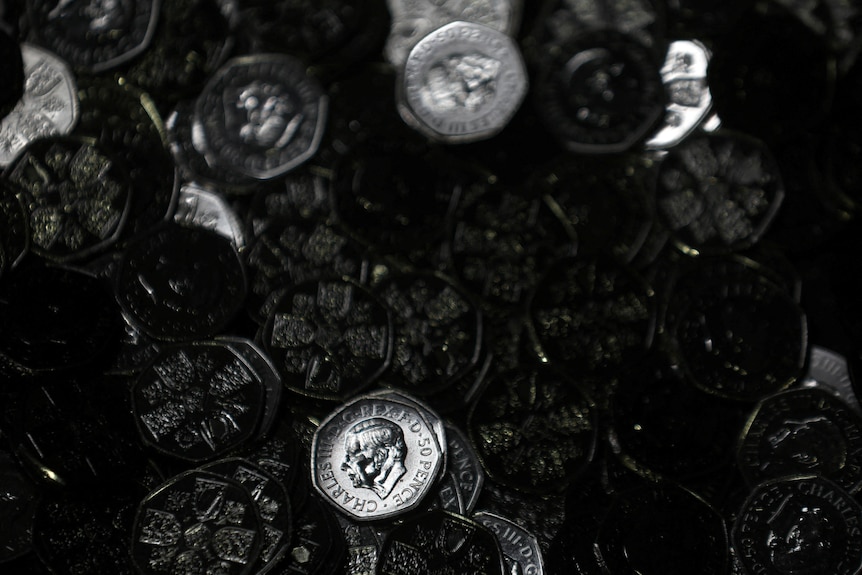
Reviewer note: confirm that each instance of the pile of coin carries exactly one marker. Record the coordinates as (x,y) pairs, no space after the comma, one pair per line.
(430,286)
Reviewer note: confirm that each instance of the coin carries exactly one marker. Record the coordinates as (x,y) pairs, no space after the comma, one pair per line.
(439,541)
(94,38)
(830,371)
(329,339)
(197,521)
(197,401)
(363,546)
(464,467)
(374,458)
(802,431)
(520,548)
(318,547)
(48,106)
(261,116)
(462,83)
(77,194)
(172,294)
(281,454)
(804,524)
(200,207)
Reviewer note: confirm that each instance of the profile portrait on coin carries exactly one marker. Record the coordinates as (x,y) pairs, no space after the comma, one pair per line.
(374,455)
(263,114)
(811,443)
(800,538)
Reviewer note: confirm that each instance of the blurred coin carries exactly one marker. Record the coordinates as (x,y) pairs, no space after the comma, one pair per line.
(200,207)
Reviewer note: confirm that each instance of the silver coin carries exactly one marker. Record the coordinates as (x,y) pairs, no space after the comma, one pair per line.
(260,116)
(49,106)
(464,466)
(427,413)
(829,370)
(521,550)
(688,98)
(412,20)
(363,546)
(203,208)
(375,458)
(462,83)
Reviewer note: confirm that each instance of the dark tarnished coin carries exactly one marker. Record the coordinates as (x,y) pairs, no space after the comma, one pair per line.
(260,116)
(329,339)
(48,106)
(520,548)
(179,283)
(197,522)
(18,500)
(662,529)
(533,430)
(800,432)
(318,546)
(303,194)
(799,525)
(561,20)
(272,502)
(375,458)
(268,374)
(440,542)
(600,92)
(592,315)
(88,531)
(437,332)
(740,339)
(197,401)
(14,229)
(718,193)
(94,36)
(55,318)
(77,195)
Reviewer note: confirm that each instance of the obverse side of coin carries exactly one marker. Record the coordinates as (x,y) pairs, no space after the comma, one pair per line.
(94,37)
(175,294)
(329,339)
(463,82)
(520,548)
(800,525)
(375,458)
(197,522)
(197,401)
(261,116)
(48,107)
(440,542)
(802,431)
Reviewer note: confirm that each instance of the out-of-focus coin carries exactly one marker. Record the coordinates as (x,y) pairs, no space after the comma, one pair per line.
(48,107)
(599,92)
(260,116)
(271,501)
(197,521)
(375,458)
(534,430)
(18,499)
(197,401)
(175,294)
(329,339)
(718,193)
(462,83)
(412,21)
(829,370)
(94,37)
(203,208)
(802,431)
(77,195)
(520,548)
(689,99)
(14,228)
(439,541)
(800,525)
(662,528)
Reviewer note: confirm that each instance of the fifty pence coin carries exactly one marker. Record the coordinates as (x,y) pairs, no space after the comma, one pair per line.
(521,550)
(94,36)
(462,82)
(463,466)
(197,401)
(260,116)
(375,458)
(829,370)
(200,207)
(48,107)
(197,522)
(799,525)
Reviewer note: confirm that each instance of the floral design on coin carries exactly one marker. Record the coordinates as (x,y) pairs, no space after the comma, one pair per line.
(197,401)
(261,116)
(329,338)
(463,83)
(800,525)
(375,458)
(180,294)
(78,196)
(48,107)
(197,522)
(95,35)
